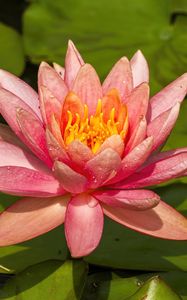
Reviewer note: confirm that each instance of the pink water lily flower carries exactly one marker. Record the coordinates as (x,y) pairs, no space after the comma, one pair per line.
(78,150)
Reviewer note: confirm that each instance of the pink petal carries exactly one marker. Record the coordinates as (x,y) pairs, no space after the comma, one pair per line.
(162,221)
(88,88)
(22,181)
(49,105)
(21,89)
(7,135)
(137,104)
(79,153)
(60,70)
(133,200)
(140,69)
(9,103)
(13,155)
(120,78)
(133,160)
(102,167)
(31,217)
(10,106)
(70,180)
(161,126)
(56,130)
(73,62)
(137,136)
(49,78)
(56,151)
(83,225)
(113,142)
(33,135)
(168,97)
(164,155)
(23,174)
(160,171)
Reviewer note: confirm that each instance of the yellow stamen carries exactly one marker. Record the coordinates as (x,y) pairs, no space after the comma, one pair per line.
(93,130)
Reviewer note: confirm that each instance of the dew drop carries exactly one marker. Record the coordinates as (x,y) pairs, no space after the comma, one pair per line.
(139,283)
(94,179)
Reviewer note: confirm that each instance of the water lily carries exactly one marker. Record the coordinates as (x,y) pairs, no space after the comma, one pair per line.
(78,150)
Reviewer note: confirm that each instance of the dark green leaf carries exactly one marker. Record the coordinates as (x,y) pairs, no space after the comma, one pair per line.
(114,289)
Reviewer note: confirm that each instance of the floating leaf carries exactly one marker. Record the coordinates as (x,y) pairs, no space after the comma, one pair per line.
(116,285)
(48,280)
(154,289)
(101,289)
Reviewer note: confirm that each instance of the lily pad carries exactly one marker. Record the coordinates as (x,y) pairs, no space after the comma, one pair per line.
(100,289)
(154,289)
(103,33)
(118,285)
(176,280)
(48,280)
(11,50)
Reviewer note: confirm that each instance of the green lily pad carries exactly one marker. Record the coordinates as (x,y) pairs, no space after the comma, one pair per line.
(11,50)
(116,285)
(100,289)
(123,248)
(176,280)
(103,33)
(48,280)
(154,289)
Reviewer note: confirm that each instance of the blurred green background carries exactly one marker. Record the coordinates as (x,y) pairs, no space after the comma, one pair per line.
(103,31)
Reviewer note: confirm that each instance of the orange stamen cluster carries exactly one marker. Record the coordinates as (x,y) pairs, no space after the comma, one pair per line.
(93,130)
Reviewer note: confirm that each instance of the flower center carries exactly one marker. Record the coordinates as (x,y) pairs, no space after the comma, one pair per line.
(93,130)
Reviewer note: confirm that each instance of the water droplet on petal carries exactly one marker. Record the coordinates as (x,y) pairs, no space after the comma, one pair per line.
(94,179)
